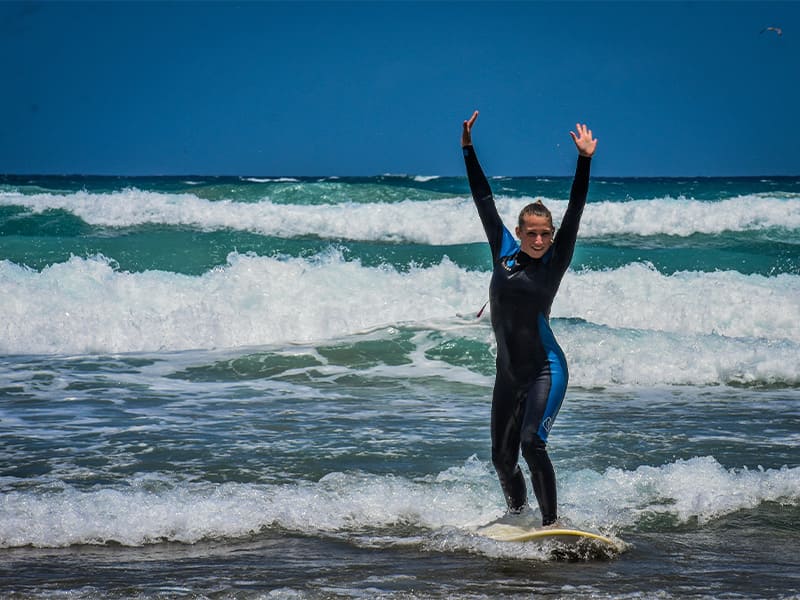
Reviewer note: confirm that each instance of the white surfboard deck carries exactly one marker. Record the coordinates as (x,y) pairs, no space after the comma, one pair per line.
(512,533)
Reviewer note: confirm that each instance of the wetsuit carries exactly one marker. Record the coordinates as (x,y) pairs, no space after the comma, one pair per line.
(531,377)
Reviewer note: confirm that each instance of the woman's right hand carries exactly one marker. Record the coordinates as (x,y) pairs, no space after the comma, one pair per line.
(466,133)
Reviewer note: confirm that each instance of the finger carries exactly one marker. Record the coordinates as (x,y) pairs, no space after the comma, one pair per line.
(472,119)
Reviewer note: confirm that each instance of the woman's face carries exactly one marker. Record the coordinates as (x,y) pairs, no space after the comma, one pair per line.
(535,235)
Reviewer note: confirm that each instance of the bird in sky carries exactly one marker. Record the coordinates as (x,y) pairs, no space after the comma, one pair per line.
(777,30)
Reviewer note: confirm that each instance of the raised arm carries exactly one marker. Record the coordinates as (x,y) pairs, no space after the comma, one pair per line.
(568,231)
(500,239)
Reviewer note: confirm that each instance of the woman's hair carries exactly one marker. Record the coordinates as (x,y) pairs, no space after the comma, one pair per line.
(535,209)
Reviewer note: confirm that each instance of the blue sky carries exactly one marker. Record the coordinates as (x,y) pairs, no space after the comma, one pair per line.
(366,88)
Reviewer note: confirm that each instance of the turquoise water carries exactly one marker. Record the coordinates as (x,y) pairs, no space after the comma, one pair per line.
(279,388)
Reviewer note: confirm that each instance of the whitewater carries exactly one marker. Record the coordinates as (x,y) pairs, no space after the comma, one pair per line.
(280,387)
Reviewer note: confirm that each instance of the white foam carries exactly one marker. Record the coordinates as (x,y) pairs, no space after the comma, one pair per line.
(153,509)
(85,306)
(439,221)
(600,356)
(699,488)
(725,303)
(684,217)
(637,326)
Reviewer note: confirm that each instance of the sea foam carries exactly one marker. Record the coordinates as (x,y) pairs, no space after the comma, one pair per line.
(156,508)
(86,305)
(725,303)
(439,221)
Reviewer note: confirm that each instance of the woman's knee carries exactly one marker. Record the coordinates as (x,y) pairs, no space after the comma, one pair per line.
(504,463)
(534,450)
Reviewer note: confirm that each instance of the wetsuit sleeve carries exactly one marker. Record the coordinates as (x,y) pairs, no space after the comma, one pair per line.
(564,244)
(500,239)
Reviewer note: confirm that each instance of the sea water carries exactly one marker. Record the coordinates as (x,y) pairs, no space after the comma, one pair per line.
(246,387)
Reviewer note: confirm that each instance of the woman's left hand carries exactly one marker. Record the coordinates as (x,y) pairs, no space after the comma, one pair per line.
(584,141)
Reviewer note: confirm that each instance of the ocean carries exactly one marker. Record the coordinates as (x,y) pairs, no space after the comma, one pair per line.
(252,387)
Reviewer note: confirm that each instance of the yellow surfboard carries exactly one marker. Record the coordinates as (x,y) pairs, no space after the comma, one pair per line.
(560,543)
(513,533)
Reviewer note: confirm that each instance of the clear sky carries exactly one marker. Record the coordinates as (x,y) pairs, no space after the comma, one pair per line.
(367,88)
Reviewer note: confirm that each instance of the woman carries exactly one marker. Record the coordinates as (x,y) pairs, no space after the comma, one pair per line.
(531,377)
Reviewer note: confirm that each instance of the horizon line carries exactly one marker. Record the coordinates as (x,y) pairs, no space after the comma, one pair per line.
(399,175)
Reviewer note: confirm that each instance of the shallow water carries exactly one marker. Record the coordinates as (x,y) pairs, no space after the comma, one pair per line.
(247,388)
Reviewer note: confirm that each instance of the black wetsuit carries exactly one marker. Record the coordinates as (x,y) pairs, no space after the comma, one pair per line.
(532,373)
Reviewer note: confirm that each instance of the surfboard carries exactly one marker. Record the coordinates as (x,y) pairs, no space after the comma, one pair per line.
(513,533)
(559,543)
(562,541)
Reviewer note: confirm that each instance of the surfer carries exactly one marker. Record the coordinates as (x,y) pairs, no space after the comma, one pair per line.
(531,376)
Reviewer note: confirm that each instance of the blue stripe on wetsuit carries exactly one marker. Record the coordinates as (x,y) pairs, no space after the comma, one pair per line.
(509,245)
(559,376)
